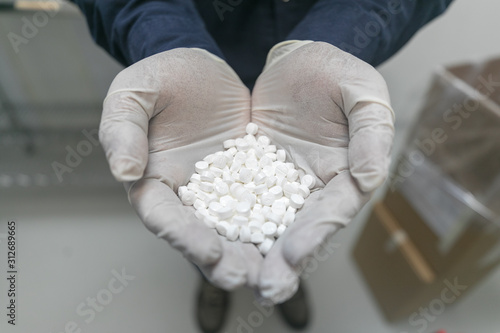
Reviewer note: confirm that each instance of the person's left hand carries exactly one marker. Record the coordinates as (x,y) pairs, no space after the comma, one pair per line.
(331,112)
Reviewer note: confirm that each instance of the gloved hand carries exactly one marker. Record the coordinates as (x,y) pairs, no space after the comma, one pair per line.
(331,112)
(161,116)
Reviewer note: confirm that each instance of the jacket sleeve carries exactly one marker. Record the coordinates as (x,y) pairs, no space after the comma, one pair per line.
(131,30)
(372,30)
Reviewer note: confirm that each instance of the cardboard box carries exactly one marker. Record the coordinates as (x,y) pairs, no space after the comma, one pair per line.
(400,278)
(444,221)
(458,129)
(392,266)
(440,220)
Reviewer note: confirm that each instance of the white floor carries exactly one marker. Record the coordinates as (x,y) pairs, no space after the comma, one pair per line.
(73,241)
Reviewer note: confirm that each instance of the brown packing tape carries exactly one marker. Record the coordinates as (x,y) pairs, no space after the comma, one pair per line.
(415,259)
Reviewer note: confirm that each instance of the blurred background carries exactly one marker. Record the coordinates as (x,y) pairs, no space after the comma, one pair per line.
(420,257)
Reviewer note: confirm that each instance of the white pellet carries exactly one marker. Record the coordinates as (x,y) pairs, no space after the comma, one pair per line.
(250,153)
(259,152)
(201,166)
(276,191)
(195,178)
(265,161)
(235,175)
(252,163)
(228,201)
(243,208)
(274,218)
(207,187)
(217,172)
(224,213)
(232,232)
(198,204)
(250,187)
(249,197)
(210,221)
(279,208)
(221,188)
(292,175)
(229,143)
(266,246)
(207,176)
(257,215)
(281,229)
(259,189)
(267,199)
(235,166)
(291,209)
(182,190)
(268,170)
(201,213)
(263,141)
(257,237)
(281,170)
(229,156)
(288,218)
(296,201)
(271,181)
(222,227)
(270,149)
(214,207)
(209,158)
(269,229)
(255,225)
(290,189)
(208,197)
(272,156)
(252,128)
(281,155)
(219,161)
(303,191)
(245,234)
(242,145)
(265,210)
(226,177)
(188,198)
(240,220)
(285,201)
(308,181)
(281,181)
(260,178)
(236,190)
(250,139)
(245,175)
(193,187)
(240,157)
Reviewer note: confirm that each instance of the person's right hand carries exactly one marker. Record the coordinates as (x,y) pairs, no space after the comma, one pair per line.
(161,116)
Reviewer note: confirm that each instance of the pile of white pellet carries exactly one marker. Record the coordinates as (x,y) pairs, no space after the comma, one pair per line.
(248,191)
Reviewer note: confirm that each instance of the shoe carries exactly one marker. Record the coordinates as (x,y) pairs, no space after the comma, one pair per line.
(295,311)
(212,307)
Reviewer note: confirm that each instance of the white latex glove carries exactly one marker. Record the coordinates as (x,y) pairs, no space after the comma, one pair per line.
(331,112)
(161,116)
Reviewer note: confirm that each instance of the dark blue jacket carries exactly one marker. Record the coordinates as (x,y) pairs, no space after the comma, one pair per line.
(243,31)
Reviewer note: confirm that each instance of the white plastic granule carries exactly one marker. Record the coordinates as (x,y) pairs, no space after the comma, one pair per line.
(247,192)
